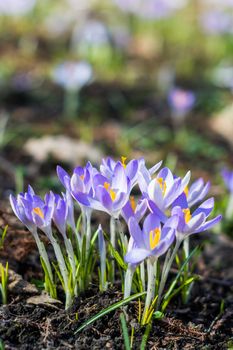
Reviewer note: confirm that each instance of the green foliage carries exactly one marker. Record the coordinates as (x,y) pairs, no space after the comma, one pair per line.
(125,332)
(3,282)
(3,236)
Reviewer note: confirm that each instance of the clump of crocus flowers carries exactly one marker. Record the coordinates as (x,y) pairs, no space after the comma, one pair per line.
(160,220)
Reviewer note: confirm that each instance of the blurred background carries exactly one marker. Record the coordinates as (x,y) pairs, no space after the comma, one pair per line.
(82,79)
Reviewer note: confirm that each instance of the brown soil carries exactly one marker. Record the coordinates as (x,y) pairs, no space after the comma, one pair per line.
(29,324)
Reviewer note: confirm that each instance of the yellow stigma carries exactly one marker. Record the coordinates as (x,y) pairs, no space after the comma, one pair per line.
(81,177)
(39,212)
(110,191)
(154,237)
(123,159)
(186,191)
(162,184)
(187,215)
(132,203)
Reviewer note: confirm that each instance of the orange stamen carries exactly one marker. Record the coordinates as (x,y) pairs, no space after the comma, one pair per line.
(110,191)
(132,203)
(162,184)
(123,159)
(187,215)
(39,212)
(154,237)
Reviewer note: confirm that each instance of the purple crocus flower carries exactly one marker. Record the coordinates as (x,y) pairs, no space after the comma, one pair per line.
(133,209)
(32,210)
(163,190)
(108,165)
(217,22)
(227,176)
(181,101)
(145,175)
(152,240)
(72,75)
(63,214)
(80,183)
(195,193)
(16,7)
(110,195)
(190,223)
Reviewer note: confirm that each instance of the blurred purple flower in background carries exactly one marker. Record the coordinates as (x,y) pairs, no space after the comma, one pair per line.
(227,176)
(181,101)
(92,33)
(16,7)
(150,9)
(217,22)
(72,75)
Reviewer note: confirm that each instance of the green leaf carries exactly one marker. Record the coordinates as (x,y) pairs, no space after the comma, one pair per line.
(109,309)
(51,287)
(117,257)
(125,331)
(3,236)
(176,291)
(145,336)
(158,315)
(172,286)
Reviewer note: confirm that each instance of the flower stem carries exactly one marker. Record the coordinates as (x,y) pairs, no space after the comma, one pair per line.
(44,255)
(62,266)
(113,243)
(88,230)
(166,270)
(142,275)
(70,253)
(128,280)
(151,271)
(229,210)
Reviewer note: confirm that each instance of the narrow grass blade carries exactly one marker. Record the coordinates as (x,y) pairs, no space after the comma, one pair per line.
(145,336)
(109,309)
(125,331)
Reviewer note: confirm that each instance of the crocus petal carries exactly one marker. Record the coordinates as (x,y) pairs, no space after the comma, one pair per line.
(206,207)
(82,198)
(141,209)
(185,180)
(136,233)
(136,255)
(155,193)
(208,224)
(150,223)
(181,201)
(104,197)
(38,220)
(77,184)
(167,176)
(173,193)
(143,182)
(127,211)
(119,179)
(197,191)
(155,168)
(63,177)
(99,180)
(131,169)
(194,223)
(165,243)
(154,209)
(179,212)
